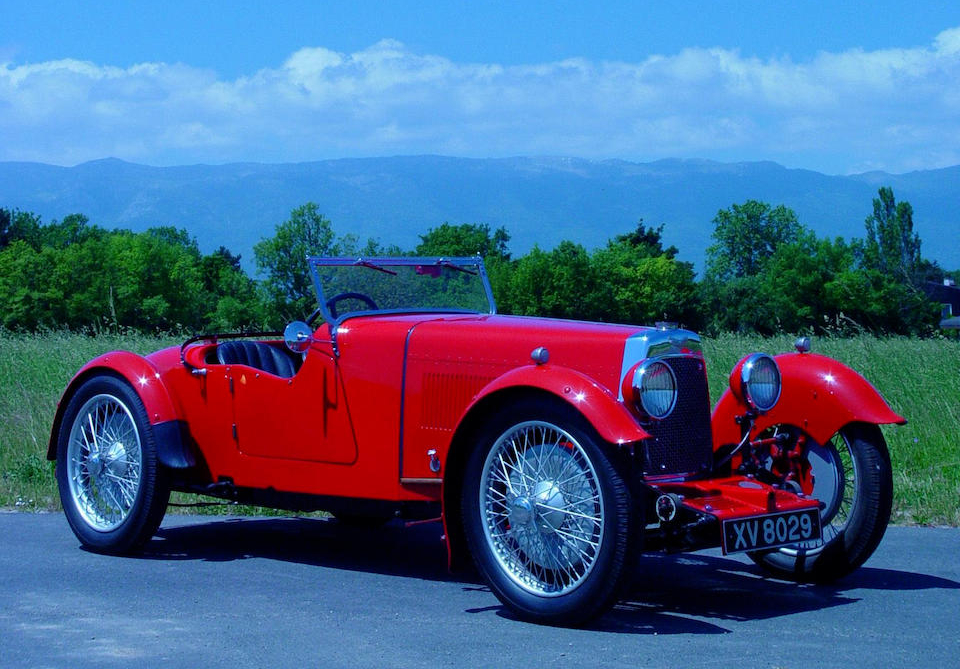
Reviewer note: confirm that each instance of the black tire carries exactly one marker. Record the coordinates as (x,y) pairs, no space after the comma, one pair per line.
(113,489)
(553,543)
(855,518)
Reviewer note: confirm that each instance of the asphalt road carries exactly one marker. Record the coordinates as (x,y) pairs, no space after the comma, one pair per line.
(212,592)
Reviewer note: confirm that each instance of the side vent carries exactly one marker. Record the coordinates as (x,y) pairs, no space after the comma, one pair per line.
(445,396)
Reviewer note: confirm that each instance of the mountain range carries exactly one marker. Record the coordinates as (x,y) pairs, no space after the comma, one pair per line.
(538,200)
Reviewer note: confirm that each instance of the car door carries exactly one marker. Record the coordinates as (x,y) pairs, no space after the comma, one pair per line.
(300,418)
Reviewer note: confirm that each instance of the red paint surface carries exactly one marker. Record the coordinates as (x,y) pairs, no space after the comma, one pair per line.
(356,424)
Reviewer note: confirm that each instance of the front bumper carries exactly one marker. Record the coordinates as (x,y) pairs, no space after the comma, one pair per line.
(707,504)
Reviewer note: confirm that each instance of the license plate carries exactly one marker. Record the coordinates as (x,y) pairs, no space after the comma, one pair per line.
(770,531)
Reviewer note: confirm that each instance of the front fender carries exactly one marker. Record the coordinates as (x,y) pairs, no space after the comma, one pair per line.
(820,395)
(609,418)
(146,382)
(607,415)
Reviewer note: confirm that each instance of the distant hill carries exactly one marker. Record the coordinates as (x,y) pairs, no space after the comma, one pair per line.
(539,200)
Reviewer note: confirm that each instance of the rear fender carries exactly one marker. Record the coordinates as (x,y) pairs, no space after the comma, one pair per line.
(820,395)
(614,423)
(146,382)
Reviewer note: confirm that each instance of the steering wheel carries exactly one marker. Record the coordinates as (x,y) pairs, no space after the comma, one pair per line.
(366,299)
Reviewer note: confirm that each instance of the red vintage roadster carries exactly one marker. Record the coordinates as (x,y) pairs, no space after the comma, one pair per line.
(554,451)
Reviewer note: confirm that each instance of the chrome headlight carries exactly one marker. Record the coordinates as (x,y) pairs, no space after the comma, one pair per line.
(760,381)
(655,388)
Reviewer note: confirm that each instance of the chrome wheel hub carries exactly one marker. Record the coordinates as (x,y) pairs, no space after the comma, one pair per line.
(544,508)
(521,512)
(550,505)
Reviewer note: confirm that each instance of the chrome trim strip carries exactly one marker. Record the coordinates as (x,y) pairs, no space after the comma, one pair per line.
(315,275)
(403,399)
(415,481)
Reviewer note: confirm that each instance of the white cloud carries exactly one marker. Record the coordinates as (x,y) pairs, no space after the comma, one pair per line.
(948,42)
(895,109)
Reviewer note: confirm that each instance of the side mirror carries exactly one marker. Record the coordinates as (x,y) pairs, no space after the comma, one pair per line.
(297,336)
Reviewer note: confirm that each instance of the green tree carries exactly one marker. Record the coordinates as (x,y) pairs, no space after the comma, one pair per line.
(73,229)
(281,259)
(746,235)
(19,225)
(466,239)
(796,290)
(72,274)
(892,246)
(560,283)
(647,241)
(23,302)
(745,238)
(792,281)
(640,281)
(887,288)
(6,218)
(231,295)
(870,299)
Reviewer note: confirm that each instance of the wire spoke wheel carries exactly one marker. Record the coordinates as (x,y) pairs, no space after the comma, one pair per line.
(547,516)
(112,486)
(542,509)
(104,462)
(853,481)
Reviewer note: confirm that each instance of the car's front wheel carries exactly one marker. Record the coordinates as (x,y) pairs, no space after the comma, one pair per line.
(547,516)
(852,479)
(112,486)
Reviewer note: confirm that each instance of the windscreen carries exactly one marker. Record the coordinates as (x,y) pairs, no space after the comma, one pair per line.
(349,286)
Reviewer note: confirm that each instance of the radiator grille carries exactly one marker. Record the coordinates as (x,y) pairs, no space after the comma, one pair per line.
(682,442)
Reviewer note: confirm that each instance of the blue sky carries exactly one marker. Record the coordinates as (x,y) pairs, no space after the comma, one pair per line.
(837,87)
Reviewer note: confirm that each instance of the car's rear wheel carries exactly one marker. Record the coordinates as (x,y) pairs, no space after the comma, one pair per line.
(853,479)
(112,487)
(546,514)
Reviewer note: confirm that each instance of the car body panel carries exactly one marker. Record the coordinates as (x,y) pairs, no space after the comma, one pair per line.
(452,363)
(306,417)
(315,413)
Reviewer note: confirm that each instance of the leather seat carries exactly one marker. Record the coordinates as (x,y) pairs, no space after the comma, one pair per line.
(256,354)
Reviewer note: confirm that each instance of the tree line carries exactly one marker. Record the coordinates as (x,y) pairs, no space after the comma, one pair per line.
(765,272)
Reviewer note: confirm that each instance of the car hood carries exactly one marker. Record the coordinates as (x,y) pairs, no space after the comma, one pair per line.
(496,343)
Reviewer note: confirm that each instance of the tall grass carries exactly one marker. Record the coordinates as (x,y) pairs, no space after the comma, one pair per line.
(34,370)
(919,378)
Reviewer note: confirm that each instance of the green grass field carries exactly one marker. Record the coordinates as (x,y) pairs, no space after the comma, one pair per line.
(919,378)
